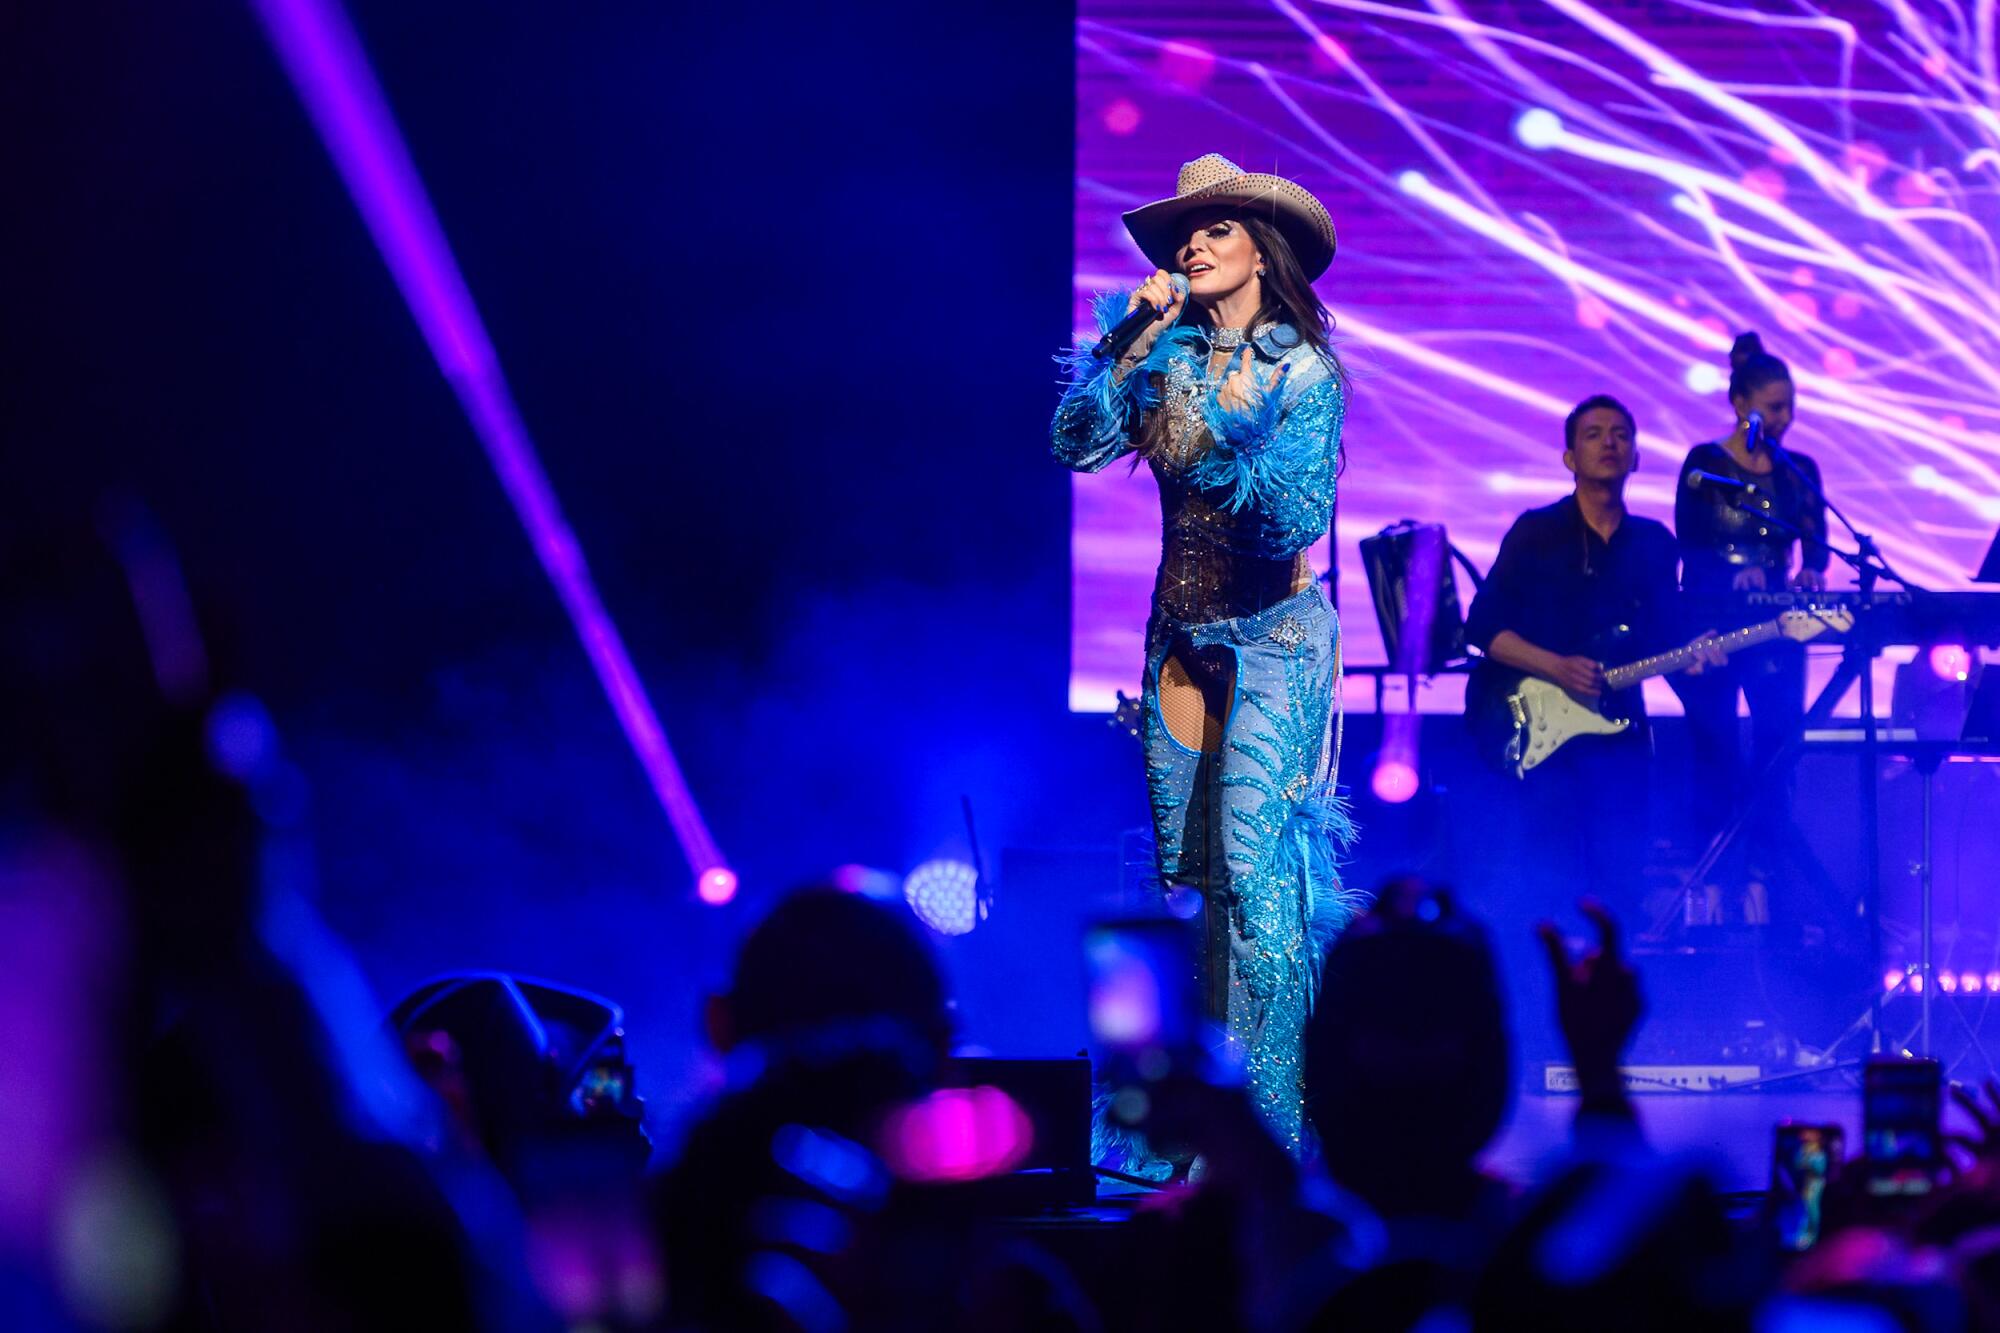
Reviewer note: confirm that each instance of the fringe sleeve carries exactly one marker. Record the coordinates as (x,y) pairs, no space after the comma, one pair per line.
(1276,458)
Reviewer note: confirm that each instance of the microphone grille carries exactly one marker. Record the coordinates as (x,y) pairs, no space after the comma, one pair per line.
(1180,284)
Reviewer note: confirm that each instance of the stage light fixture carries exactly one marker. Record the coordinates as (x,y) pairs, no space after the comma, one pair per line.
(945,895)
(1394,781)
(1950,661)
(716,886)
(1892,979)
(1947,983)
(1971,983)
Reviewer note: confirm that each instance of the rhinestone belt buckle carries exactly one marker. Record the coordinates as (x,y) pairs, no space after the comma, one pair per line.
(1288,634)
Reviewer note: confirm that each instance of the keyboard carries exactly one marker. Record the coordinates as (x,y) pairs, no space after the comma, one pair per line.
(1885,616)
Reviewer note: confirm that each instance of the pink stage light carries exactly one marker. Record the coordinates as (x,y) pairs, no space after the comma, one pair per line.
(1394,781)
(1892,979)
(1950,661)
(1971,983)
(1946,982)
(957,1134)
(716,886)
(319,50)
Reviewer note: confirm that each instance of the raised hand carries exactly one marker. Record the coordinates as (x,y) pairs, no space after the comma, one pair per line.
(1241,391)
(1597,1001)
(1983,1147)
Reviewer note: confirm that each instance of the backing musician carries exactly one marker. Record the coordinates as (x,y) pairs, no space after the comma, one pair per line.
(1727,548)
(1575,584)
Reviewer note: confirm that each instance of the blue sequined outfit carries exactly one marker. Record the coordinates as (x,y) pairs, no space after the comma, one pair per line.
(1253,824)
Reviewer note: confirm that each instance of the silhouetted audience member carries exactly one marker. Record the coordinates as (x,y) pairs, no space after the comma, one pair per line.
(1639,1244)
(780,1212)
(1409,1073)
(256,1185)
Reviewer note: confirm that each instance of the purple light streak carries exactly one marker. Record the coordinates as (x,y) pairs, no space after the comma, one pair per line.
(320,52)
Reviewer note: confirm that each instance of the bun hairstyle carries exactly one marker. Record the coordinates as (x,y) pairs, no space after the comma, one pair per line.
(1751,367)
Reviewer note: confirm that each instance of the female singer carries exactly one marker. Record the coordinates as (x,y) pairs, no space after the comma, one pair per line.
(1234,398)
(1728,546)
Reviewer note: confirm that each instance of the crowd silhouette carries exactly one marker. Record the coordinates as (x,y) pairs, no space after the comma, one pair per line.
(211,1129)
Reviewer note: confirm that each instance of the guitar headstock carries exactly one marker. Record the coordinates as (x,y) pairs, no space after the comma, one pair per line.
(1801,626)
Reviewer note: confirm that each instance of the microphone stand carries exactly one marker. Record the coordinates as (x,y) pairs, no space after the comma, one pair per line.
(1857,657)
(1866,558)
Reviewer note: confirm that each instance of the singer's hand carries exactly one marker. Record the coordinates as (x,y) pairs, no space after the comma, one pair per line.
(1578,675)
(1157,292)
(1706,653)
(1749,579)
(1241,391)
(1810,580)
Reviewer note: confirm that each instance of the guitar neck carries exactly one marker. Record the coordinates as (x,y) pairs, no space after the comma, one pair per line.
(1618,678)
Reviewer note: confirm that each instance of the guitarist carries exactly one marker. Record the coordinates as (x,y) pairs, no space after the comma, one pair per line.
(1575,584)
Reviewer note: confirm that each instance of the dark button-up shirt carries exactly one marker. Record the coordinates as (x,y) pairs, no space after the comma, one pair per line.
(1560,586)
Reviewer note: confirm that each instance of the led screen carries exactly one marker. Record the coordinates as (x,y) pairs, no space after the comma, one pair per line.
(1536,202)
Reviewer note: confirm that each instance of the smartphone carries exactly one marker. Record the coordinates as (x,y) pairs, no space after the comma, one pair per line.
(1901,1101)
(1803,1159)
(1144,1008)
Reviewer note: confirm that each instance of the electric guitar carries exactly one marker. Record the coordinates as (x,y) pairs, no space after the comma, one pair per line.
(1521,720)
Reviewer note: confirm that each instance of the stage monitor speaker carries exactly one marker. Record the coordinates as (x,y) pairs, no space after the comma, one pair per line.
(1936,708)
(1056,1094)
(1982,720)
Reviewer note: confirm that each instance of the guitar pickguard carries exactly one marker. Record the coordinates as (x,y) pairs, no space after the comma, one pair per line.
(1548,716)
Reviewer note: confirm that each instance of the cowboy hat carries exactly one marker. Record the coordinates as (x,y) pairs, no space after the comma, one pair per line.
(1212,180)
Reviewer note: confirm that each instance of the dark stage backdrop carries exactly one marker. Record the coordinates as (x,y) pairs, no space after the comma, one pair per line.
(777,293)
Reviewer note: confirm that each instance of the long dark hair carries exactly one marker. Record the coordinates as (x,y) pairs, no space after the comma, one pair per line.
(1288,299)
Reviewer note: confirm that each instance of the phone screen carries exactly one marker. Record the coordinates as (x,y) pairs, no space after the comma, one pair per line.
(1140,987)
(1900,1105)
(1803,1159)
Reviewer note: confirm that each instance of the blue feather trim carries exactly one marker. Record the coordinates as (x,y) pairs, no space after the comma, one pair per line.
(1120,1147)
(1253,459)
(1311,847)
(1119,402)
(1093,378)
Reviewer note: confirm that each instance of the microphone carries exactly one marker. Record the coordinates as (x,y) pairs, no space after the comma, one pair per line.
(1128,330)
(1697,479)
(1753,432)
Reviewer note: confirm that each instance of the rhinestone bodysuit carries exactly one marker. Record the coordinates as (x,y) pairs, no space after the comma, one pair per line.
(1237,512)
